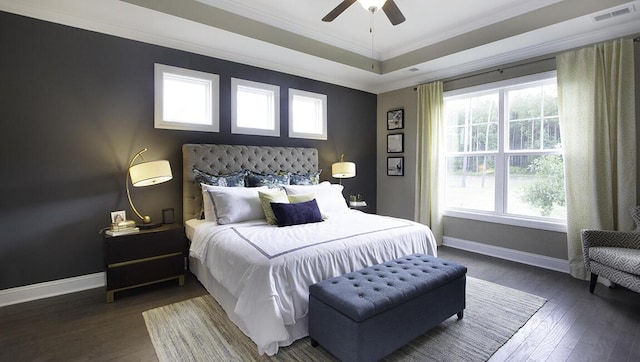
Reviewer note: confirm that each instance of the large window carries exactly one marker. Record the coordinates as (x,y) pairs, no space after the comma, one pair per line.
(255,108)
(504,153)
(186,99)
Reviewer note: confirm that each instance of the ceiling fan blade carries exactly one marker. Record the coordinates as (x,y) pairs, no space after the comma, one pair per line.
(393,12)
(338,10)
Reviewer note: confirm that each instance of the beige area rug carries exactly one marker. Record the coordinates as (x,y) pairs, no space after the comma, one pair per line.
(199,330)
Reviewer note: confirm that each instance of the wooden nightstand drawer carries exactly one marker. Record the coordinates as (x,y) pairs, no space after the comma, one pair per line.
(141,272)
(147,243)
(143,258)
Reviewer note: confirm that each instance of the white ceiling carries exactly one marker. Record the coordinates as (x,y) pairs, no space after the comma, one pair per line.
(439,38)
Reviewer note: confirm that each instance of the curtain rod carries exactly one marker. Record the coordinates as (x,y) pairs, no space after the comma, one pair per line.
(501,70)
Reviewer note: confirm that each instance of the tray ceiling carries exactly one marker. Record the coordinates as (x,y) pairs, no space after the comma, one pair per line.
(439,39)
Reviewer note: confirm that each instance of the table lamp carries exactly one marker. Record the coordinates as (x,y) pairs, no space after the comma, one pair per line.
(343,169)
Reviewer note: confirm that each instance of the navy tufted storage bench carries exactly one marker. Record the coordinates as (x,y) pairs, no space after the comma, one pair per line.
(369,313)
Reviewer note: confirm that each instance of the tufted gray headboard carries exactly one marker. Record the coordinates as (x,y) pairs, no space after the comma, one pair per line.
(224,159)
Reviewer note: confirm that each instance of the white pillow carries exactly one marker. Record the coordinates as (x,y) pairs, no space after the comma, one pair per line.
(207,203)
(328,196)
(232,204)
(304,189)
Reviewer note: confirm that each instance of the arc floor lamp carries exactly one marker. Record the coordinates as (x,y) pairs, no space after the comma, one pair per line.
(146,174)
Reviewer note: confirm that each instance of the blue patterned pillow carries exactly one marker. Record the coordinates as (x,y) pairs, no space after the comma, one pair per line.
(312,178)
(296,214)
(254,179)
(234,179)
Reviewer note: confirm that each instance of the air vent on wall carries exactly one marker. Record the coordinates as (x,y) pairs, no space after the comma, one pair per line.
(614,13)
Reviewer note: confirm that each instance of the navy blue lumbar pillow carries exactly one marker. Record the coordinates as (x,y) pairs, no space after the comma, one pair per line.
(296,214)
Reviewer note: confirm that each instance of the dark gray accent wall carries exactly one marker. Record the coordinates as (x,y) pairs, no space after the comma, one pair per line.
(76,105)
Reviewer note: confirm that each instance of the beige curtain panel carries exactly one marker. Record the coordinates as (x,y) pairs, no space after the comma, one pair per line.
(430,164)
(597,121)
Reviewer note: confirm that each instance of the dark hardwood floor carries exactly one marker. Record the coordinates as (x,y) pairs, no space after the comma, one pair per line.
(82,327)
(573,325)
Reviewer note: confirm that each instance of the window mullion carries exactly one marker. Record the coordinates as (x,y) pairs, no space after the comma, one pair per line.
(500,177)
(541,146)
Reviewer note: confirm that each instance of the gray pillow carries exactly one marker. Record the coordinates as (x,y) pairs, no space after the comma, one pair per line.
(234,179)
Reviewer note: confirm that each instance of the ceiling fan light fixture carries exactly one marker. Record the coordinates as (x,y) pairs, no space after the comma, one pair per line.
(372,4)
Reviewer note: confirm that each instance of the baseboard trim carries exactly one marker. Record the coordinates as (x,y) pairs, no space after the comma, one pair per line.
(96,280)
(50,289)
(541,261)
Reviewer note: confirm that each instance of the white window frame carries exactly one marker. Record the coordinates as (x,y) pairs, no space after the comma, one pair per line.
(211,105)
(273,94)
(501,160)
(320,118)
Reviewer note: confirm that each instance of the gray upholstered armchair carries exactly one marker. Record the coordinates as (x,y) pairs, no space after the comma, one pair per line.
(614,255)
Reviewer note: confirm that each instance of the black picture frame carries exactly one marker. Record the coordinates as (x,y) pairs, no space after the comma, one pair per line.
(395,166)
(395,119)
(395,143)
(168,216)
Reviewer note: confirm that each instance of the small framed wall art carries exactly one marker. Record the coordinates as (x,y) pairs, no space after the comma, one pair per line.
(395,119)
(395,166)
(395,143)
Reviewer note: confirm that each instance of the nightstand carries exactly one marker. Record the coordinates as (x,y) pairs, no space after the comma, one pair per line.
(147,257)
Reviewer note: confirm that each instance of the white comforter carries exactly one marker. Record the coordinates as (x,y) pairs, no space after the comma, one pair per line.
(269,269)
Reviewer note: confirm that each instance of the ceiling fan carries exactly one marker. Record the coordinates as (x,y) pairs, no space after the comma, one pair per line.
(388,6)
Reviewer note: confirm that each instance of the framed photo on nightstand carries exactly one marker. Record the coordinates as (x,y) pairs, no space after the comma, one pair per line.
(118,216)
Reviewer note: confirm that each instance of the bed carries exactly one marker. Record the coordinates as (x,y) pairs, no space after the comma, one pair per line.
(260,273)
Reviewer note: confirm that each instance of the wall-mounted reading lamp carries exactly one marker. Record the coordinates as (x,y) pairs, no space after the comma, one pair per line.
(343,169)
(146,174)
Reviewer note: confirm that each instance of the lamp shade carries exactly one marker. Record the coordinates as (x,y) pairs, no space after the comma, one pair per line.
(150,173)
(343,169)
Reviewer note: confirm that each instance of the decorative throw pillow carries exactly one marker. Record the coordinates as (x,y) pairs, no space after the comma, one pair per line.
(296,214)
(254,179)
(635,214)
(266,198)
(234,204)
(234,179)
(294,199)
(312,178)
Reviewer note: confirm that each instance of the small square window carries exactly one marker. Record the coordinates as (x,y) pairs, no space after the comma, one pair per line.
(186,99)
(255,108)
(307,115)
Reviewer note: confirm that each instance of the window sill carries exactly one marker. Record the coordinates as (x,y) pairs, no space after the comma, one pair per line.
(549,225)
